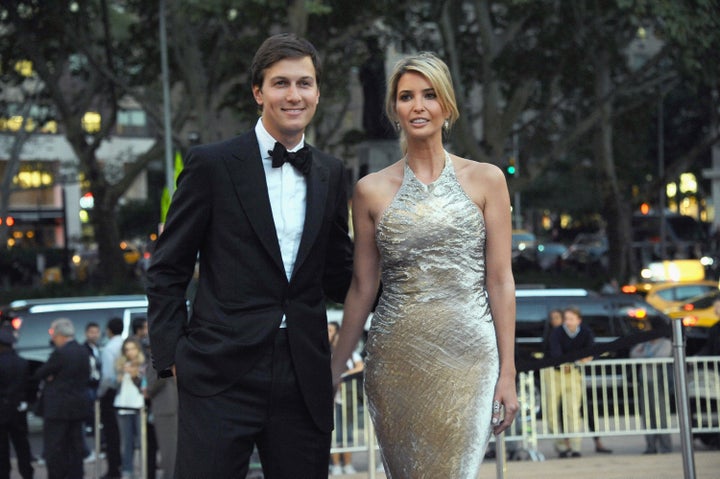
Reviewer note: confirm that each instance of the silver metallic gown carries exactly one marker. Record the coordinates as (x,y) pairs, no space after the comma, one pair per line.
(432,360)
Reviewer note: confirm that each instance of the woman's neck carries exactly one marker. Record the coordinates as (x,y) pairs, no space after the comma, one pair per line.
(426,163)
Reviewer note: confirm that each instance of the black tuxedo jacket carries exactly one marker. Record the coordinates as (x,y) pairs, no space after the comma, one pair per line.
(14,377)
(220,215)
(66,374)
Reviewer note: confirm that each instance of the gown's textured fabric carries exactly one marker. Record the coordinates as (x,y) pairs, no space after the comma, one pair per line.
(432,360)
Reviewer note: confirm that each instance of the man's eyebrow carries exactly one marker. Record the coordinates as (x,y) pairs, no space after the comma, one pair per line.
(285,77)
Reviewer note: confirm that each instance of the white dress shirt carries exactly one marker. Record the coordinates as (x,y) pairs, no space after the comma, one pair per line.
(109,355)
(287,188)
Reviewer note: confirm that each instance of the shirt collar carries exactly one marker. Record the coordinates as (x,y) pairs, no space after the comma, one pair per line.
(571,335)
(266,142)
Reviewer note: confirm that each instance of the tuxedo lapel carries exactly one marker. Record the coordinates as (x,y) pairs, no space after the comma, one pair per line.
(248,176)
(317,190)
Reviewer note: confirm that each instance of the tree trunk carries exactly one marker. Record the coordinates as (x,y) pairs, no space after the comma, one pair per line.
(112,270)
(616,211)
(11,168)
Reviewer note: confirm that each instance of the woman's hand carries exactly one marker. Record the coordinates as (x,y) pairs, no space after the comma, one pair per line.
(505,404)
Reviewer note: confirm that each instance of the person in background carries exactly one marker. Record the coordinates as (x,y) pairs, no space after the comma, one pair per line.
(92,345)
(712,343)
(132,363)
(653,381)
(64,398)
(567,388)
(162,397)
(106,392)
(341,463)
(712,348)
(555,319)
(14,377)
(266,214)
(139,328)
(548,375)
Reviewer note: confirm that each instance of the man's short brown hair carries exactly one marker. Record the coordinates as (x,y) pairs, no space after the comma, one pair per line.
(279,47)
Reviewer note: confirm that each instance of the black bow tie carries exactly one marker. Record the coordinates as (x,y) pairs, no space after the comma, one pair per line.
(301,159)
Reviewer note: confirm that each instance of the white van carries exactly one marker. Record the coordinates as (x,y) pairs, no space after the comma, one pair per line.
(32,318)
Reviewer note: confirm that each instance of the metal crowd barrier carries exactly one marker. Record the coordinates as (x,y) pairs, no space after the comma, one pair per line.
(142,413)
(617,397)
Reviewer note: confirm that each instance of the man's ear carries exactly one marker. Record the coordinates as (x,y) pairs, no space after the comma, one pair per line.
(257,94)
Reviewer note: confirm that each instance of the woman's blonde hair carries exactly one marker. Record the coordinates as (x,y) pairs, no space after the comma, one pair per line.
(437,73)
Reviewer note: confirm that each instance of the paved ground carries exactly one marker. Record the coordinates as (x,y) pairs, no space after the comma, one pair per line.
(626,462)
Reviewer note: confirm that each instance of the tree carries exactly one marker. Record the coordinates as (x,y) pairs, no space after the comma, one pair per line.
(70,45)
(546,75)
(556,75)
(90,54)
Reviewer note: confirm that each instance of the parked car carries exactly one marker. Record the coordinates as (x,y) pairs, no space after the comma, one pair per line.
(704,393)
(587,251)
(32,318)
(685,237)
(524,248)
(609,317)
(550,255)
(697,315)
(668,296)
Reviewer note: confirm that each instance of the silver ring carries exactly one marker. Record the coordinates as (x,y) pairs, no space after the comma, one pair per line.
(496,406)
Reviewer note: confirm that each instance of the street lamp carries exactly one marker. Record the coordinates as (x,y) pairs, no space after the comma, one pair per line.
(169,176)
(661,173)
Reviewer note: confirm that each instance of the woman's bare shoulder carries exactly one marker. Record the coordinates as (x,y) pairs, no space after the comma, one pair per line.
(480,180)
(375,191)
(477,170)
(381,182)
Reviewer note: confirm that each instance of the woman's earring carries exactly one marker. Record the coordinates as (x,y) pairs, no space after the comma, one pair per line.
(446,125)
(397,126)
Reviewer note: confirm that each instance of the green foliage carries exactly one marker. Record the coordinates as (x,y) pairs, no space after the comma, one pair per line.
(550,48)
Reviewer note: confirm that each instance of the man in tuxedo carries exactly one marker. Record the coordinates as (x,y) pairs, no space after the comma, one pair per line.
(14,379)
(270,231)
(66,374)
(92,346)
(107,391)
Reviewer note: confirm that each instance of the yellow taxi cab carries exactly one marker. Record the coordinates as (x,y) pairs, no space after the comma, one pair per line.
(668,284)
(131,254)
(697,312)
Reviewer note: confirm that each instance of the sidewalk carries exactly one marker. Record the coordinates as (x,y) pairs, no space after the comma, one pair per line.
(611,466)
(626,462)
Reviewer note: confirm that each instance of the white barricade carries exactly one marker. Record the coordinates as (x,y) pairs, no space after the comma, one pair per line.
(614,397)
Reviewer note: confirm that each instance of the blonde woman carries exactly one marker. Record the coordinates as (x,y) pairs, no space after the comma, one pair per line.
(132,363)
(439,370)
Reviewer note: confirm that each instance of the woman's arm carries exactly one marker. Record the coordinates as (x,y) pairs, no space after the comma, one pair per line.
(501,290)
(365,281)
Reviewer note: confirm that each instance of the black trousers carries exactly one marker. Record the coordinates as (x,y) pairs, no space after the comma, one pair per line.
(152,449)
(63,441)
(14,428)
(111,432)
(216,435)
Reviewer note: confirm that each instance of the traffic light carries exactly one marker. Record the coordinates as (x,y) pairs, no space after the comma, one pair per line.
(511,169)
